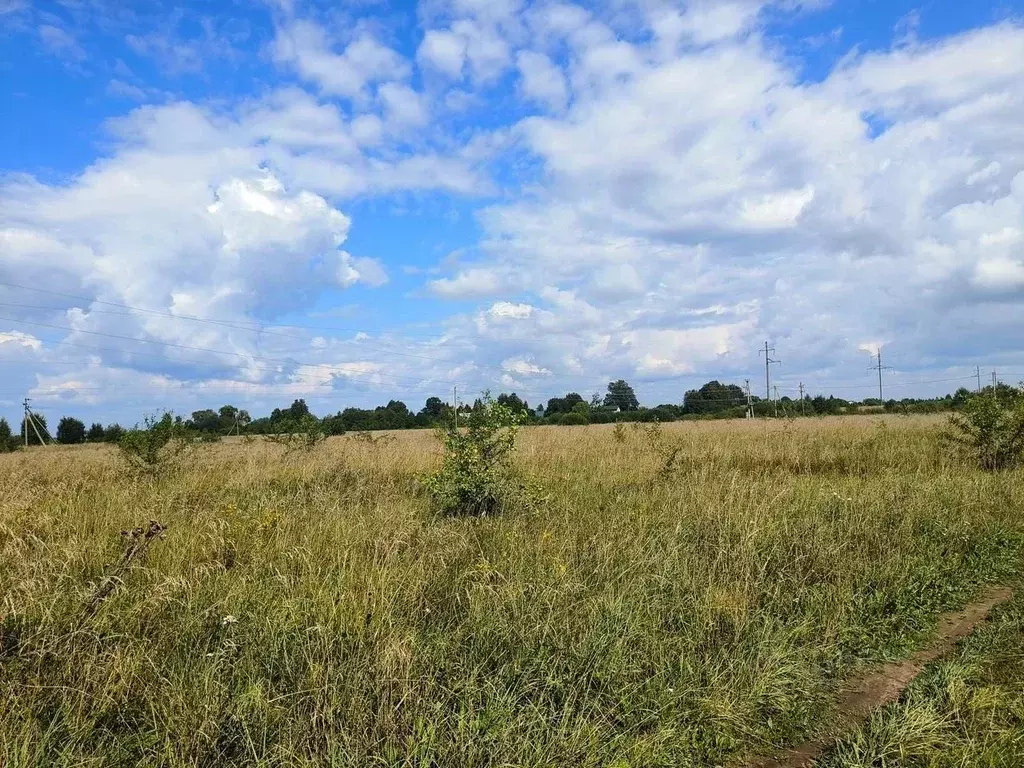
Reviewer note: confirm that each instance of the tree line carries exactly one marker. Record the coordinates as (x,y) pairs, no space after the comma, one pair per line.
(713,400)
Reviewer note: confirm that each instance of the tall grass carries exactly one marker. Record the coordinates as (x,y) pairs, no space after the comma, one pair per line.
(686,596)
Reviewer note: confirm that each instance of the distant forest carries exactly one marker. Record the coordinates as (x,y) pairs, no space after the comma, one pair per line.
(714,400)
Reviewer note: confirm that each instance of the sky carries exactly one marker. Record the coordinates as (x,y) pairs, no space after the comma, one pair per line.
(238,202)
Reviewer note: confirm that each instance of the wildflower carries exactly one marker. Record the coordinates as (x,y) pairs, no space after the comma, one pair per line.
(229,619)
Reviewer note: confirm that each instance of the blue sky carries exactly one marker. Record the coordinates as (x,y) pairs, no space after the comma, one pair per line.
(349,202)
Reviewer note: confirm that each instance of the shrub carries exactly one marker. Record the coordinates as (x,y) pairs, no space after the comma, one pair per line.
(154,446)
(303,434)
(476,475)
(990,431)
(619,432)
(573,419)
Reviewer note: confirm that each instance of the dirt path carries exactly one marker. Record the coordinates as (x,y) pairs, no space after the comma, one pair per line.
(881,686)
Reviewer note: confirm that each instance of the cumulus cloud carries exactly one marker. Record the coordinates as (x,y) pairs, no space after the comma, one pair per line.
(306,46)
(507,309)
(470,283)
(403,107)
(16,340)
(524,368)
(707,176)
(542,81)
(443,51)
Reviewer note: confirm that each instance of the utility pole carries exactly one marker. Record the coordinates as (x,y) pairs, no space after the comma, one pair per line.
(455,397)
(768,362)
(24,420)
(977,372)
(776,387)
(31,419)
(995,382)
(750,403)
(879,367)
(801,398)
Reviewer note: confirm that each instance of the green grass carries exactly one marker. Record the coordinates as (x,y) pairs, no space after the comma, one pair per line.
(648,613)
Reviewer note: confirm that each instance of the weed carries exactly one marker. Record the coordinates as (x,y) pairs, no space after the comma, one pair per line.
(136,542)
(153,447)
(367,437)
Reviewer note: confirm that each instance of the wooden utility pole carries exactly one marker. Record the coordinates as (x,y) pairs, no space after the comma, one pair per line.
(30,419)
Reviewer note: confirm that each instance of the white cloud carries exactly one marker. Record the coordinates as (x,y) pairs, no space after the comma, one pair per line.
(469,283)
(506,309)
(16,339)
(678,351)
(777,210)
(685,177)
(617,281)
(403,107)
(121,89)
(305,46)
(541,80)
(1000,273)
(524,368)
(61,43)
(444,51)
(370,271)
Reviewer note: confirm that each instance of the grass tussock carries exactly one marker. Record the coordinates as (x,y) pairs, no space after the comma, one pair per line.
(683,596)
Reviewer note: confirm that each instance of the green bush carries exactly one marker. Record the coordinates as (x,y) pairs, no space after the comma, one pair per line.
(303,434)
(990,430)
(476,475)
(573,419)
(154,446)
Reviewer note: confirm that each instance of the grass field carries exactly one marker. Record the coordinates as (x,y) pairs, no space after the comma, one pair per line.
(688,597)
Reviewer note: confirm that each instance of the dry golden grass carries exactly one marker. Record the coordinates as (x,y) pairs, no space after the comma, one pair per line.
(685,597)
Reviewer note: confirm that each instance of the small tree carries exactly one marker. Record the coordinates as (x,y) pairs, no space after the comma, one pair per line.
(96,433)
(475,475)
(8,442)
(70,431)
(152,447)
(991,431)
(113,433)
